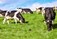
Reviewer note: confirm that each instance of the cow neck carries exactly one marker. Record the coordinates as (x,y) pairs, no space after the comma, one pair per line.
(16,13)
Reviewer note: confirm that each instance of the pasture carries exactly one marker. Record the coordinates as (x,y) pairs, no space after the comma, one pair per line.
(34,28)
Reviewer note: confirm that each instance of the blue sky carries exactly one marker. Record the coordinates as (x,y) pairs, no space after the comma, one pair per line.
(13,4)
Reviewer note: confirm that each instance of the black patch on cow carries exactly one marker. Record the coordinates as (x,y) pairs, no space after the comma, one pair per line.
(27,10)
(20,17)
(11,14)
(2,13)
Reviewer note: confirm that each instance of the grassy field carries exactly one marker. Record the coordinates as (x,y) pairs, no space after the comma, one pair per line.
(35,28)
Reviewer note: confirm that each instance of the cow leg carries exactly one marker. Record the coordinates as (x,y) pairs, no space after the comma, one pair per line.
(49,26)
(20,21)
(42,13)
(15,20)
(4,20)
(52,22)
(8,21)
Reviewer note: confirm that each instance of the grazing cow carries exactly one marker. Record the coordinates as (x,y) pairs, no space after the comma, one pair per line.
(49,17)
(14,15)
(37,10)
(26,10)
(55,8)
(2,13)
(40,10)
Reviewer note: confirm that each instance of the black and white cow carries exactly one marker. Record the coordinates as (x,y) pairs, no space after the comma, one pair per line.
(40,10)
(14,15)
(49,17)
(26,10)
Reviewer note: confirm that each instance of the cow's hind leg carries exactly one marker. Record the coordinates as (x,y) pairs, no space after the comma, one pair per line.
(4,20)
(8,21)
(15,20)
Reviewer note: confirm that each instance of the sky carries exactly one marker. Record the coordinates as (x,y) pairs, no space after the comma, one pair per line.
(32,4)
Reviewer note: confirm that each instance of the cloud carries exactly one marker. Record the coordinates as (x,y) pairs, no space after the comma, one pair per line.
(36,5)
(33,6)
(3,1)
(9,6)
(50,4)
(13,4)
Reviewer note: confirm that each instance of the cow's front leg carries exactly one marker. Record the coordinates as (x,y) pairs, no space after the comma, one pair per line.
(20,21)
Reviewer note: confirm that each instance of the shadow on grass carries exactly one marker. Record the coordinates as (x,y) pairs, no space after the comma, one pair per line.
(54,26)
(19,22)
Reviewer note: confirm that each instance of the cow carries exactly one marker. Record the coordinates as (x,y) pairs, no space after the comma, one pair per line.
(37,10)
(49,17)
(26,10)
(16,15)
(40,10)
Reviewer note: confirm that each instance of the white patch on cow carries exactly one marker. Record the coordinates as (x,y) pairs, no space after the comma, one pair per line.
(37,10)
(19,10)
(52,22)
(43,11)
(24,12)
(47,20)
(8,17)
(29,12)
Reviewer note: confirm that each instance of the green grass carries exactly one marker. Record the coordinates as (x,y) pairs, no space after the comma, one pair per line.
(34,29)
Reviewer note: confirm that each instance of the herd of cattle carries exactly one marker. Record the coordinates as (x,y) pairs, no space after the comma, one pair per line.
(48,13)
